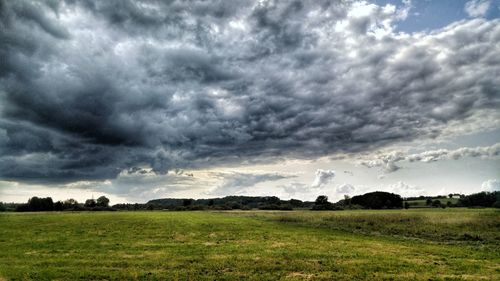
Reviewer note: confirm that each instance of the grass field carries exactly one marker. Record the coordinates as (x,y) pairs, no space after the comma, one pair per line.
(425,244)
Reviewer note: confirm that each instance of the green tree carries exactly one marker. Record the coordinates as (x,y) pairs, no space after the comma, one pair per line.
(187,202)
(347,200)
(90,203)
(70,204)
(58,206)
(102,201)
(321,200)
(322,203)
(436,203)
(496,204)
(40,204)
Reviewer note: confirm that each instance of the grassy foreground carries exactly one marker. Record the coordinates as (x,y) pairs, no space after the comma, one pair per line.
(429,244)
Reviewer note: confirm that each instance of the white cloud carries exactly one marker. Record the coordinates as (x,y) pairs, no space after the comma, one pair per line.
(236,182)
(322,177)
(491,185)
(295,188)
(400,187)
(388,161)
(405,189)
(477,8)
(345,188)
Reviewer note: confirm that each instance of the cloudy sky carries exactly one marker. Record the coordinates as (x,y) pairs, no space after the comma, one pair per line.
(139,100)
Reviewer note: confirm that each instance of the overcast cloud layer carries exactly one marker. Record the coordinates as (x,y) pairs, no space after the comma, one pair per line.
(89,89)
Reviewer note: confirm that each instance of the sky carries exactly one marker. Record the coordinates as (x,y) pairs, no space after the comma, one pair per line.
(138,100)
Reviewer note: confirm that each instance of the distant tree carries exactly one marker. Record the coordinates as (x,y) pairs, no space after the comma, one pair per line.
(102,201)
(2,207)
(187,202)
(449,204)
(36,204)
(40,204)
(407,205)
(296,203)
(90,203)
(378,200)
(436,203)
(481,199)
(450,195)
(347,200)
(428,202)
(272,200)
(496,204)
(58,206)
(211,202)
(322,203)
(283,207)
(235,205)
(321,200)
(70,204)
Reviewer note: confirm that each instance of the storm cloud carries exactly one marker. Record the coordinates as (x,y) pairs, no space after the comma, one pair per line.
(89,89)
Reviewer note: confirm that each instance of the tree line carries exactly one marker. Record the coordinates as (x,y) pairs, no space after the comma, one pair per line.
(371,200)
(39,204)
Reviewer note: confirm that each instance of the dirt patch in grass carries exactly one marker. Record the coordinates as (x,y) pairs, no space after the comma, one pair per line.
(300,275)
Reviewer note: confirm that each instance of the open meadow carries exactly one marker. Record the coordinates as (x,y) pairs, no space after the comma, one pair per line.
(423,244)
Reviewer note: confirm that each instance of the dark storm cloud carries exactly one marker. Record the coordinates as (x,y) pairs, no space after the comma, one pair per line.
(91,88)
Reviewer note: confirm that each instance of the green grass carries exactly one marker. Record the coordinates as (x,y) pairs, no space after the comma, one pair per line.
(428,244)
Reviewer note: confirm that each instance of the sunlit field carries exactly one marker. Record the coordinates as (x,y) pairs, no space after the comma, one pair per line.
(424,244)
